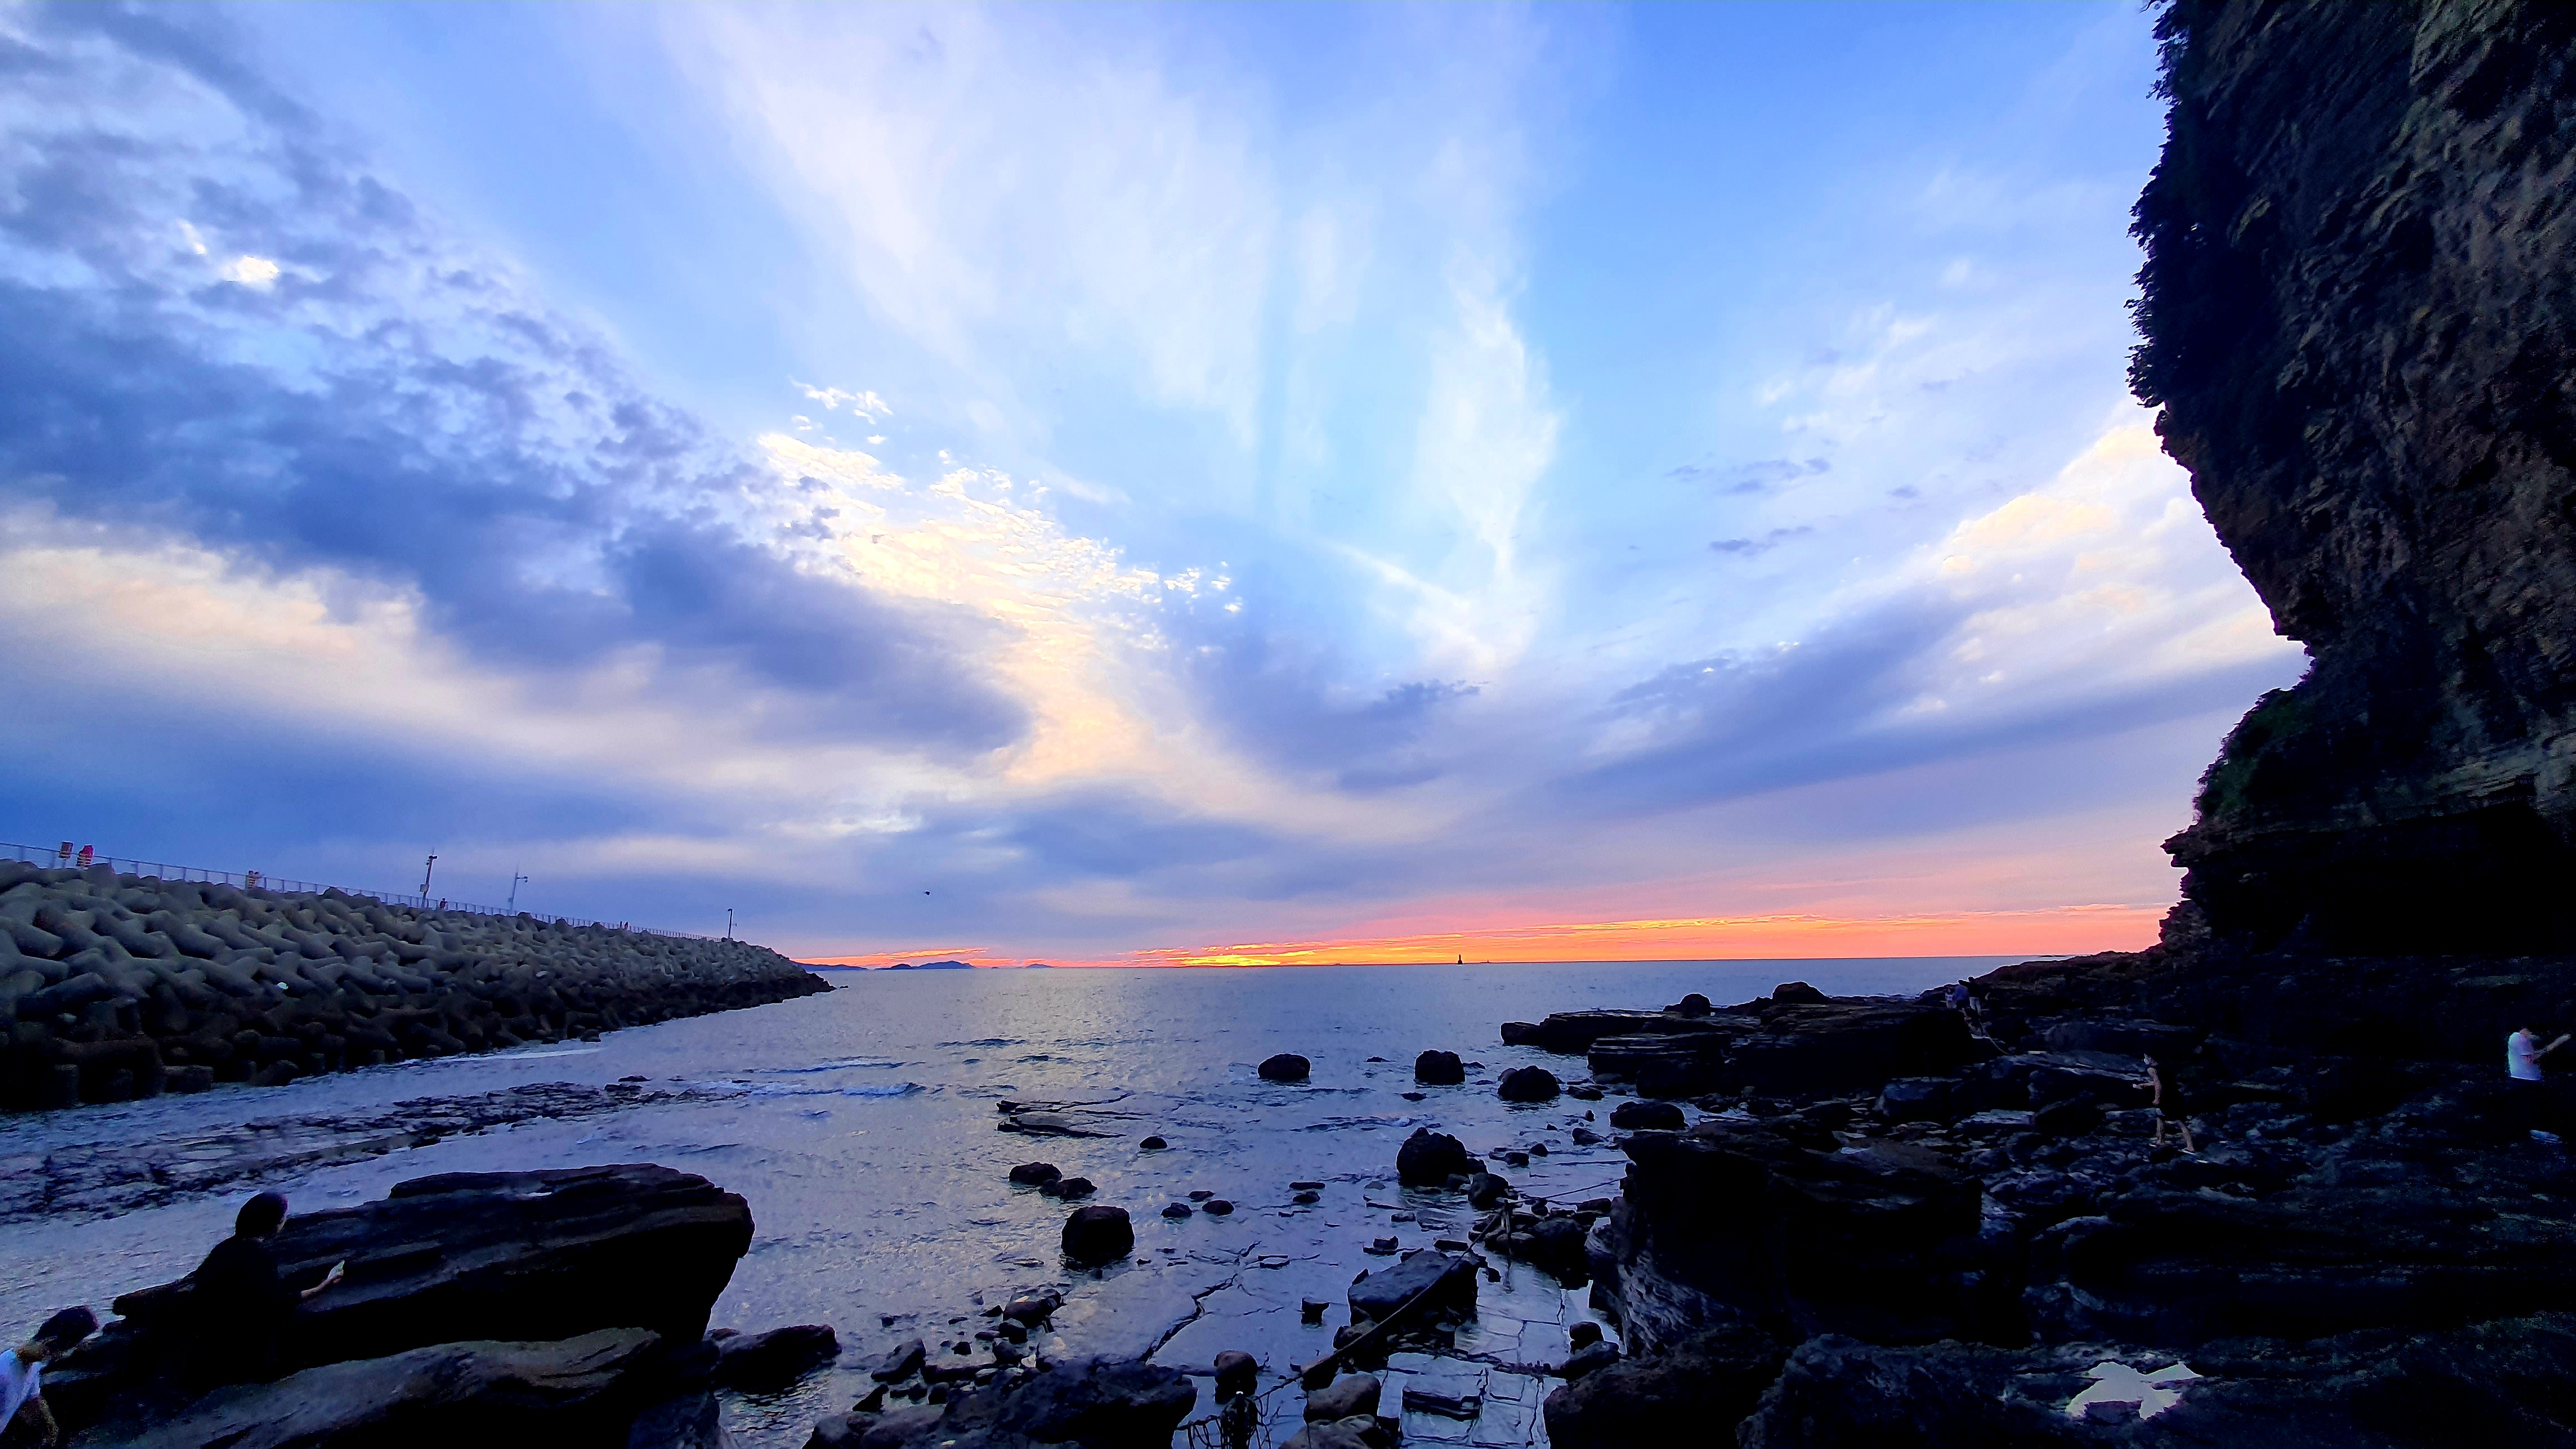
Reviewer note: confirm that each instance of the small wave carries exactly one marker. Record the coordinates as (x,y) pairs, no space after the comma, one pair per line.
(989,1041)
(783,1089)
(526,1056)
(1357,1124)
(843,1065)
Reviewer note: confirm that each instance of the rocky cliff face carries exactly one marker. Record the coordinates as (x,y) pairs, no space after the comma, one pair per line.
(2359,311)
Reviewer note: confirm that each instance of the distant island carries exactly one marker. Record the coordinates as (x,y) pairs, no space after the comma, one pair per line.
(1038,966)
(931,966)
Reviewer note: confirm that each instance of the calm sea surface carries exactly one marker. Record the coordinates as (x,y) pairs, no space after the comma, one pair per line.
(861,1127)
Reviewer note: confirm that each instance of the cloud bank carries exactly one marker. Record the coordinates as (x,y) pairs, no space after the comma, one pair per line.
(1218,553)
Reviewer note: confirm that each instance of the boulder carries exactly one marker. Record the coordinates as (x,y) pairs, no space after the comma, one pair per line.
(1835,1390)
(1487,1189)
(1035,1174)
(1777,1224)
(1915,1099)
(453,1258)
(1835,1048)
(1588,1358)
(1417,1287)
(1237,1373)
(1429,1159)
(499,1392)
(1069,1189)
(1648,1116)
(1285,1067)
(1439,1069)
(1528,1084)
(900,1362)
(1799,992)
(1100,1405)
(1692,1393)
(1097,1234)
(1348,1395)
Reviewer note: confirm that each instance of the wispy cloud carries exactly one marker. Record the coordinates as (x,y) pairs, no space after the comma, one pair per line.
(1248,563)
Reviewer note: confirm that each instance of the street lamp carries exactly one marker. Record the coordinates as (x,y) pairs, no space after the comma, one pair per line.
(728,923)
(516,880)
(426,872)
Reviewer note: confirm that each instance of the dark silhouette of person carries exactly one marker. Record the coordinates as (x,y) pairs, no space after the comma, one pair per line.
(2167,1100)
(241,1302)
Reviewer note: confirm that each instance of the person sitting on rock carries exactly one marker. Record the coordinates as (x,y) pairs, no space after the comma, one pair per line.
(2167,1101)
(24,1417)
(241,1302)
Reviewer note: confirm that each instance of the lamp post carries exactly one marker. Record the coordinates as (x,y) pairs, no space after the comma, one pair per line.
(728,923)
(426,871)
(516,880)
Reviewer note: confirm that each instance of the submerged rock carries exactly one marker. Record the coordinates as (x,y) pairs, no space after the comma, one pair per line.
(1439,1069)
(1346,1396)
(1527,1084)
(1285,1067)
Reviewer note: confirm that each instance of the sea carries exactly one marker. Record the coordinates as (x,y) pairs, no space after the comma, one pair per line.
(861,1126)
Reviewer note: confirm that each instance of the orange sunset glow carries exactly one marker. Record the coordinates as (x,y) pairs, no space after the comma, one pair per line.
(2060,931)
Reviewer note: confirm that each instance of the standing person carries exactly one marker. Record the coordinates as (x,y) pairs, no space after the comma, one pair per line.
(2167,1100)
(24,1416)
(2522,1054)
(241,1302)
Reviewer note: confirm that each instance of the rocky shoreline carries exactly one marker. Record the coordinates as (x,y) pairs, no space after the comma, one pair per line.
(1945,1256)
(114,987)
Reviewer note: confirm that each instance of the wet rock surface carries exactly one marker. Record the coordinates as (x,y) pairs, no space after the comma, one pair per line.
(114,987)
(94,1179)
(544,1255)
(603,1275)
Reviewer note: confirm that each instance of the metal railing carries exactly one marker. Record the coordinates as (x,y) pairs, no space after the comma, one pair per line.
(65,858)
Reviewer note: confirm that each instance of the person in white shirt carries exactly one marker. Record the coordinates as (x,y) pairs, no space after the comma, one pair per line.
(2532,1105)
(24,1419)
(2522,1054)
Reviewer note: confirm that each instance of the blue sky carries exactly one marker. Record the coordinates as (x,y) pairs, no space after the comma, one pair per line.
(1079,481)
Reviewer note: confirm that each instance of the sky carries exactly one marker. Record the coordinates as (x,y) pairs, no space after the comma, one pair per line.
(1163,485)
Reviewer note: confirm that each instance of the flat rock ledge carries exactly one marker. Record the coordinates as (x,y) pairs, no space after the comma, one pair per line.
(114,987)
(558,1307)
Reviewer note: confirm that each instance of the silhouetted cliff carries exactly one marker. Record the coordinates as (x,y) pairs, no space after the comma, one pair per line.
(2359,311)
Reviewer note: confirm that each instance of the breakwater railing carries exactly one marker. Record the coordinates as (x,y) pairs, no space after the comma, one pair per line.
(63,857)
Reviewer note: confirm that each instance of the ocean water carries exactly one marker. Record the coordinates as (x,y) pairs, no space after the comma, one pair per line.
(861,1127)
